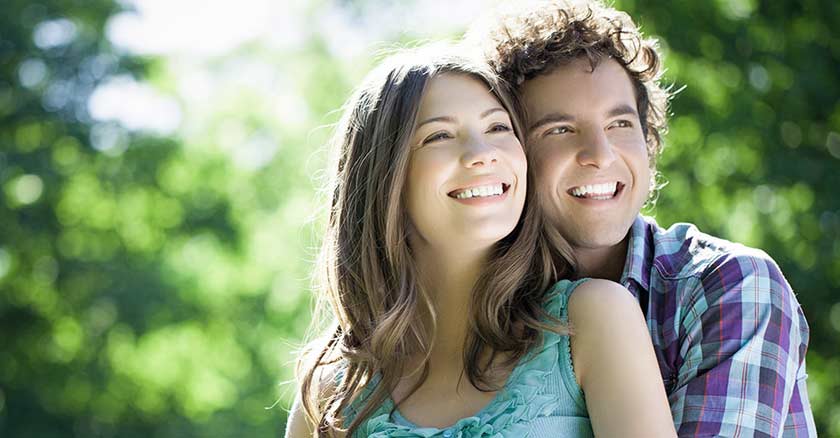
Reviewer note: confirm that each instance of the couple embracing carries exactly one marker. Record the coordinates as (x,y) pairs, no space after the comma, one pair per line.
(487,273)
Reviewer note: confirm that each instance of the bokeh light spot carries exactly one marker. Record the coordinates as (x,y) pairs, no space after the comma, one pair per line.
(28,137)
(5,262)
(737,9)
(136,106)
(54,33)
(45,269)
(65,152)
(32,72)
(109,139)
(765,199)
(26,189)
(834,316)
(832,142)
(67,335)
(759,78)
(791,134)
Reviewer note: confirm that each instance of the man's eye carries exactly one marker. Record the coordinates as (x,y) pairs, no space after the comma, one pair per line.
(437,137)
(622,124)
(557,130)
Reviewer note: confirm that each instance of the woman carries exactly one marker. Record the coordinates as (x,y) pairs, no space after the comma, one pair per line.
(435,268)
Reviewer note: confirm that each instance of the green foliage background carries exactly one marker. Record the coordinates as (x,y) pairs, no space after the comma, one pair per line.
(159,288)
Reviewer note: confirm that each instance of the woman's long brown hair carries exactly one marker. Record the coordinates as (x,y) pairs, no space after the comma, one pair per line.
(380,313)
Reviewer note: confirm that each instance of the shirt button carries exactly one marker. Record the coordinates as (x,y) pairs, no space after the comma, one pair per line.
(447,433)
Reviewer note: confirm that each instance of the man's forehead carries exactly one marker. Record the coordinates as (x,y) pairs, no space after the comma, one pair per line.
(577,83)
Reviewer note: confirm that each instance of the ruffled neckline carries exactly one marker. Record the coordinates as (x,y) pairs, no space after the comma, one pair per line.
(517,403)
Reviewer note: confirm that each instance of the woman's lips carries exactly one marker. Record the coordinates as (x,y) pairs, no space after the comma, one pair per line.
(480,191)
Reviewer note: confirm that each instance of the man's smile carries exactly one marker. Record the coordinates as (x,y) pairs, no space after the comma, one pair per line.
(598,192)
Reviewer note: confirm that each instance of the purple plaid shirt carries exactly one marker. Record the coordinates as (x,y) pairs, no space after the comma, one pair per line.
(729,334)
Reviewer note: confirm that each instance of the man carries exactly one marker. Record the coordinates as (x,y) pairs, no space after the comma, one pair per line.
(729,334)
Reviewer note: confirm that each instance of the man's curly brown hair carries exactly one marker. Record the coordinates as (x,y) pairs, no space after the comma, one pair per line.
(530,41)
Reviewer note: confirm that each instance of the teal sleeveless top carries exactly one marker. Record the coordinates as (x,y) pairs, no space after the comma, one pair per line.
(541,397)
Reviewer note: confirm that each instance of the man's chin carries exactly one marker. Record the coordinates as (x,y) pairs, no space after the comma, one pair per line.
(595,244)
(588,238)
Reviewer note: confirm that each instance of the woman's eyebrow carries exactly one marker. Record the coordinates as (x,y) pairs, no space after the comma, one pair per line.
(445,119)
(495,109)
(450,119)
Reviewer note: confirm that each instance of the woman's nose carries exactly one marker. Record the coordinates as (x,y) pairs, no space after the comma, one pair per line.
(478,152)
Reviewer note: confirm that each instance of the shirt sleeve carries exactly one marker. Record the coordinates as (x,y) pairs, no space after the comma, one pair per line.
(743,338)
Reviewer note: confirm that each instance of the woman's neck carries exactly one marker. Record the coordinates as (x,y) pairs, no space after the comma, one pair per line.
(449,278)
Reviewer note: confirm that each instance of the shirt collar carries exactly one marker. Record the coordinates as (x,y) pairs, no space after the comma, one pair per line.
(639,259)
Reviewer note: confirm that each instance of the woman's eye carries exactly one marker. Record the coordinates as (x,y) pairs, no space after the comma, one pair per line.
(622,124)
(499,127)
(437,137)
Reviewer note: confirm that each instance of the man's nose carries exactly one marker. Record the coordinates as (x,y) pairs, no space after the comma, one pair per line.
(596,150)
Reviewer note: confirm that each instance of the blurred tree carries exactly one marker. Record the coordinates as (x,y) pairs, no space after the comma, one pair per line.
(133,297)
(754,149)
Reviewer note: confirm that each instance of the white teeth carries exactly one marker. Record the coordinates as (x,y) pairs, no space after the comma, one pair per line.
(596,191)
(482,191)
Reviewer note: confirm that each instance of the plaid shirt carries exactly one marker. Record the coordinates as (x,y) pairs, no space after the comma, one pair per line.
(729,334)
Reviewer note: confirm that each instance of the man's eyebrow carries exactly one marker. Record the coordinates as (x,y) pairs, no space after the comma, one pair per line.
(551,118)
(622,110)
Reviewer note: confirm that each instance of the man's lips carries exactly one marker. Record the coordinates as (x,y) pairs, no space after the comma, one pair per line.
(597,191)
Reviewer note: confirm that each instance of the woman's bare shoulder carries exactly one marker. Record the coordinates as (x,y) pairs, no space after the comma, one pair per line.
(299,424)
(615,363)
(600,301)
(604,317)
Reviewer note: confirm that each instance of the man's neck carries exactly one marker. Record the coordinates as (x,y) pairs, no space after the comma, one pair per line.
(606,263)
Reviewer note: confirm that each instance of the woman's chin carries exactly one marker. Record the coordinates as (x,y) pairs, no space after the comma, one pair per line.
(470,239)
